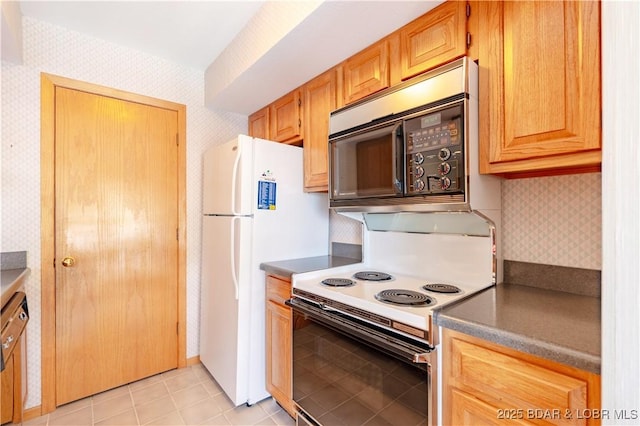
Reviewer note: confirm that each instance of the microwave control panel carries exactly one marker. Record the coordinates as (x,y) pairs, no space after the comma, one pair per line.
(434,153)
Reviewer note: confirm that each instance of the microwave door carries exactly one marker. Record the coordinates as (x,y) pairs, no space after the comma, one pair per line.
(368,164)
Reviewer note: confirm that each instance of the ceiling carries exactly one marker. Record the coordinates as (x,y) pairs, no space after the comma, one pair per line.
(191,33)
(196,33)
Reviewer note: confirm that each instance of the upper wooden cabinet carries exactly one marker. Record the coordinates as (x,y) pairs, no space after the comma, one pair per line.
(489,384)
(366,72)
(259,123)
(433,39)
(285,117)
(540,106)
(319,100)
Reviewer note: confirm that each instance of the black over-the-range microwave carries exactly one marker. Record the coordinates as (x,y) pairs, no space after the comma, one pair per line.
(410,147)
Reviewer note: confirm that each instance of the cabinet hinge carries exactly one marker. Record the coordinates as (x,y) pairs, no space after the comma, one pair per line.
(299,101)
(177,328)
(468,40)
(177,139)
(468,10)
(177,234)
(299,122)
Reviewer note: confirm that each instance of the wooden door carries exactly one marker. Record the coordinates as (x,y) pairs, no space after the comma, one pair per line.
(116,217)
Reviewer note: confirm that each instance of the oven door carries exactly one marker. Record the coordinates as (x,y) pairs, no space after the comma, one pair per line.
(367,164)
(347,371)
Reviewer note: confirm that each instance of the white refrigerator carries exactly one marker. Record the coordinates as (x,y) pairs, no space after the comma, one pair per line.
(254,211)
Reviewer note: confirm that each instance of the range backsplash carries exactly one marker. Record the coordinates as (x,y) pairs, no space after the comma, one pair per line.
(549,220)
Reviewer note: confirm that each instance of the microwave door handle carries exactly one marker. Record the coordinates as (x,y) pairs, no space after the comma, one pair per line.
(394,154)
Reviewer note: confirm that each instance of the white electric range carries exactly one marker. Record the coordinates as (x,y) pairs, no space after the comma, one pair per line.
(403,278)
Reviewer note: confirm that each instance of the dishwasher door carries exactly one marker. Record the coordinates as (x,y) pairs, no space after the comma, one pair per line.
(14,318)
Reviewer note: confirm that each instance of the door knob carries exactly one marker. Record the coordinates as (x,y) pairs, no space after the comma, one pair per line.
(68,261)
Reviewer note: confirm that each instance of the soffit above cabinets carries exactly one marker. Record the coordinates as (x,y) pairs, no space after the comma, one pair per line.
(282,47)
(251,52)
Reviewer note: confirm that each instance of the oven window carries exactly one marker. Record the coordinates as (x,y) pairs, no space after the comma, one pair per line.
(338,380)
(367,164)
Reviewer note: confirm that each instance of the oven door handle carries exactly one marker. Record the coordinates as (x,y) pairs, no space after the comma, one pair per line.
(422,358)
(366,333)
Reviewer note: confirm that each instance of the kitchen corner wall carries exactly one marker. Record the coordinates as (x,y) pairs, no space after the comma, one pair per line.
(58,51)
(553,220)
(550,220)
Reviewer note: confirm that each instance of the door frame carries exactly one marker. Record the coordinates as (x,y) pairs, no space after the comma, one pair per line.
(48,84)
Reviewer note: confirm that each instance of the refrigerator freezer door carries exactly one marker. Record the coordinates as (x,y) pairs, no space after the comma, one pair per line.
(227,182)
(225,302)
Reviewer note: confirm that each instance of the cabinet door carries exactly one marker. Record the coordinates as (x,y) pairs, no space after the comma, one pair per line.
(278,343)
(259,124)
(434,39)
(319,100)
(285,116)
(366,72)
(279,347)
(539,86)
(7,384)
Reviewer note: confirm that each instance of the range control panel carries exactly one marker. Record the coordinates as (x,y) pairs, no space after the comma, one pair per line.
(434,154)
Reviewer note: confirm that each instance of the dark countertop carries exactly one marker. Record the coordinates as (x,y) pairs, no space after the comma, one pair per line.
(12,280)
(286,268)
(556,325)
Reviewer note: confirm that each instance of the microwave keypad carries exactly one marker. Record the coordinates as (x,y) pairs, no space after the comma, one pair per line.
(422,139)
(433,158)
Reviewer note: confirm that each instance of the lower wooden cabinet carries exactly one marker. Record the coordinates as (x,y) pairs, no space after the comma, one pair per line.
(279,342)
(485,383)
(13,381)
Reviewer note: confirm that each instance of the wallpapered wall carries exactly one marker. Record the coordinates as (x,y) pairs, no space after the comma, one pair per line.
(551,220)
(55,50)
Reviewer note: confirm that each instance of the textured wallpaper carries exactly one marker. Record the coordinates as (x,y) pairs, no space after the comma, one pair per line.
(58,51)
(553,220)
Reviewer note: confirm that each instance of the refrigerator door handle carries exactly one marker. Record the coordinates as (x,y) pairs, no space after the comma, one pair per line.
(234,179)
(234,274)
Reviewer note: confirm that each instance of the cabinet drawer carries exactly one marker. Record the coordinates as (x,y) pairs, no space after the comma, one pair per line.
(514,381)
(278,289)
(471,411)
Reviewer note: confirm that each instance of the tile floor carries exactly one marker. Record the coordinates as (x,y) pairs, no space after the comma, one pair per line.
(187,396)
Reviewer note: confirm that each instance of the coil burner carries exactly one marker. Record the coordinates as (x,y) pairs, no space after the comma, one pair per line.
(372,276)
(405,297)
(338,282)
(442,288)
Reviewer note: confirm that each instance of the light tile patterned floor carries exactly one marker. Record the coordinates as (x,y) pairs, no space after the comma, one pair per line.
(187,396)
